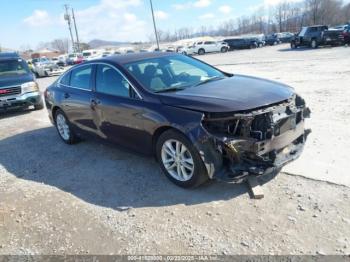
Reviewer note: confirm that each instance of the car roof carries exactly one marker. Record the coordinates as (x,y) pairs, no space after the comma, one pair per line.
(134,57)
(7,55)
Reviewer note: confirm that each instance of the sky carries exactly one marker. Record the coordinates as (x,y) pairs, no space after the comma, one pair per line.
(26,23)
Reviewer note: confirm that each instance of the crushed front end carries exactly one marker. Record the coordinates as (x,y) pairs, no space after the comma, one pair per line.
(256,142)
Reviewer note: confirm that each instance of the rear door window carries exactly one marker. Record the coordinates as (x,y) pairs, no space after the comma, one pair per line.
(81,77)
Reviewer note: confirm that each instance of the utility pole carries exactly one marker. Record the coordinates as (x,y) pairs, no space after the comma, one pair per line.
(154,25)
(67,18)
(76,31)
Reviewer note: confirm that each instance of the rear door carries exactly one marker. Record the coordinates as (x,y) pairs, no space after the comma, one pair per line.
(76,87)
(117,108)
(210,46)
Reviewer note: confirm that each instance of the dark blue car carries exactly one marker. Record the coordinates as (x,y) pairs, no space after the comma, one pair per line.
(199,122)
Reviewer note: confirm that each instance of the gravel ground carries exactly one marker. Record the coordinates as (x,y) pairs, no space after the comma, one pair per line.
(97,199)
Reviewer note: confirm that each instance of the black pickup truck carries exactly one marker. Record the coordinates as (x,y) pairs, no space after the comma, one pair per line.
(314,36)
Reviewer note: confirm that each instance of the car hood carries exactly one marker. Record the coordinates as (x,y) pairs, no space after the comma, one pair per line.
(237,93)
(15,80)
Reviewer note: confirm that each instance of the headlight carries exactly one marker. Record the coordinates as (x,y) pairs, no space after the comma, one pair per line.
(30,87)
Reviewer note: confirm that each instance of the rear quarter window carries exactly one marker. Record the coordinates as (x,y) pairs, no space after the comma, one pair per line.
(80,77)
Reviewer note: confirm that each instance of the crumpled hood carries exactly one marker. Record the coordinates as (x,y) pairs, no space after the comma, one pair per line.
(237,93)
(15,80)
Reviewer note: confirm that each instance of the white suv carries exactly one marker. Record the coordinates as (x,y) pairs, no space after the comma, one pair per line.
(210,46)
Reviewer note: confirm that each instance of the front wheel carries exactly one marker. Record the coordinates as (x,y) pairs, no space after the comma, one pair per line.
(293,45)
(64,129)
(201,51)
(180,160)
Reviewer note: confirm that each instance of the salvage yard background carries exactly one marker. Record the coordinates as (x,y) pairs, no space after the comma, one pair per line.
(92,198)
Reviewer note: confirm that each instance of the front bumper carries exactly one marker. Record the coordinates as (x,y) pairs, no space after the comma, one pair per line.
(251,151)
(22,100)
(263,157)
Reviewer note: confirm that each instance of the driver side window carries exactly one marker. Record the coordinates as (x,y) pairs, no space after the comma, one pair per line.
(109,81)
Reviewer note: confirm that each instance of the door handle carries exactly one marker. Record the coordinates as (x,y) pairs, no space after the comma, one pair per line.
(66,95)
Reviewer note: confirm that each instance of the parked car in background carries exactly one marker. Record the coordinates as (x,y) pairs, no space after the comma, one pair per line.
(273,39)
(45,67)
(260,40)
(54,60)
(91,54)
(346,34)
(18,87)
(200,122)
(106,53)
(203,47)
(186,50)
(285,37)
(314,36)
(74,59)
(62,60)
(241,43)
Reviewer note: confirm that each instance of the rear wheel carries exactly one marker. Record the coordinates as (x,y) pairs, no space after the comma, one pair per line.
(180,160)
(223,49)
(64,129)
(201,51)
(313,43)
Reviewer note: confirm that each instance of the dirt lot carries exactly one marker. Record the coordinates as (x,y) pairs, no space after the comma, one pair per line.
(96,199)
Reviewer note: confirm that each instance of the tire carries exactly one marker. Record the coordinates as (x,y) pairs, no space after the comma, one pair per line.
(195,176)
(69,137)
(37,75)
(184,53)
(39,106)
(293,45)
(313,44)
(201,51)
(223,49)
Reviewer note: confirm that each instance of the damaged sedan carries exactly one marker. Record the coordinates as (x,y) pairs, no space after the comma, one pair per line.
(198,121)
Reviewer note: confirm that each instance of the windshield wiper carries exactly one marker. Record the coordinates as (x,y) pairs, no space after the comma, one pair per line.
(214,78)
(172,89)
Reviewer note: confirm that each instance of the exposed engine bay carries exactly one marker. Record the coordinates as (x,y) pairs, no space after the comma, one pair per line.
(261,140)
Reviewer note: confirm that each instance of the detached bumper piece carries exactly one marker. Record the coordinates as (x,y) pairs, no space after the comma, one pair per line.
(260,142)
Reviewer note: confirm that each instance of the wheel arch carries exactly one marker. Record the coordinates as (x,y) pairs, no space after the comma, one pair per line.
(54,110)
(159,131)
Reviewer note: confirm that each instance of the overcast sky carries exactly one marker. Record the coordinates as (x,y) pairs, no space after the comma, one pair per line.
(28,22)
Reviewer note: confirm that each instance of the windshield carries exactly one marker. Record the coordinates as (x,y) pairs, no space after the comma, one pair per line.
(72,56)
(87,54)
(303,31)
(172,73)
(13,67)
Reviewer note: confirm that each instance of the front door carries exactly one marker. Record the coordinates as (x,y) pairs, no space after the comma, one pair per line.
(117,108)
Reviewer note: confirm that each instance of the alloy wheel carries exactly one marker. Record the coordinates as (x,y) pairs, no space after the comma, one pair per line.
(177,160)
(62,127)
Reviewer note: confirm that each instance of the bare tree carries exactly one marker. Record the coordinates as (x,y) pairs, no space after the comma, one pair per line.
(62,45)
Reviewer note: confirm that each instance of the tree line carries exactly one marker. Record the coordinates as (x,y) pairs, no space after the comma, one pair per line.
(287,16)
